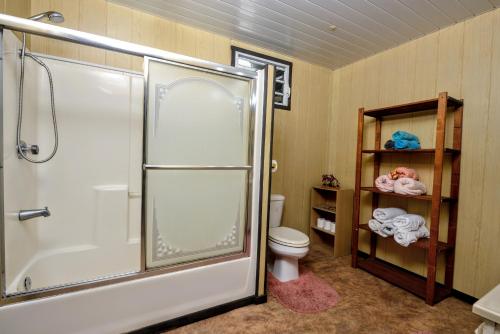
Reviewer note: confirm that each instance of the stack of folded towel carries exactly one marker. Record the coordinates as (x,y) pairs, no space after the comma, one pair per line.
(408,186)
(402,180)
(402,140)
(406,228)
(409,228)
(382,224)
(403,172)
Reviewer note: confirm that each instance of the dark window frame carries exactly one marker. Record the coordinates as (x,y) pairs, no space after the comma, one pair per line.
(235,49)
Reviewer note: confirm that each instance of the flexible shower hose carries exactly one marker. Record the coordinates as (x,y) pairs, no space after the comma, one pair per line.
(22,154)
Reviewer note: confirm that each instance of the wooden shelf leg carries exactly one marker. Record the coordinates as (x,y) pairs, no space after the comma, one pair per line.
(376,173)
(454,192)
(436,198)
(357,190)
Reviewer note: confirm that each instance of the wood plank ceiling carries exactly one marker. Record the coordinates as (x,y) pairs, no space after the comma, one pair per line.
(301,28)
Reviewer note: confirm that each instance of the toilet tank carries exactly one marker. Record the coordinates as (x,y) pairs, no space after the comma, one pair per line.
(276,210)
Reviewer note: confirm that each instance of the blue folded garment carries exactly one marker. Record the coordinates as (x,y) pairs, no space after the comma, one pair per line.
(403,144)
(405,136)
(405,140)
(389,145)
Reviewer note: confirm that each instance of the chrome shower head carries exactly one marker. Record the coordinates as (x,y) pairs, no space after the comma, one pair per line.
(54,17)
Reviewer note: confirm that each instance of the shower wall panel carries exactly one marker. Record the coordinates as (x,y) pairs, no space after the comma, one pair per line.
(92,186)
(18,176)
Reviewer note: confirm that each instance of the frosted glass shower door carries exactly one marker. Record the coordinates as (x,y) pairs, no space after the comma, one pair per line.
(197,165)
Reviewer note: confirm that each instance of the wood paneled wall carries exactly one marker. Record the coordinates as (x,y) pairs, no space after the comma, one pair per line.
(464,60)
(300,135)
(19,8)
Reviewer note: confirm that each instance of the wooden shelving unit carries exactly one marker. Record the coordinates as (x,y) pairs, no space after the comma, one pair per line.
(334,204)
(424,287)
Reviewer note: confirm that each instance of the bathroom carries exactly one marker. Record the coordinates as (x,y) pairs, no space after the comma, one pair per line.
(270,193)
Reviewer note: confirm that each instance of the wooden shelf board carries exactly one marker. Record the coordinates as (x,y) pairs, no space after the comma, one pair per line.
(400,277)
(325,188)
(420,106)
(421,243)
(322,230)
(319,208)
(421,151)
(420,197)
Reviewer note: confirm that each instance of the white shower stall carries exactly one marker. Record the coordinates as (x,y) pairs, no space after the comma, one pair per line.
(92,186)
(154,194)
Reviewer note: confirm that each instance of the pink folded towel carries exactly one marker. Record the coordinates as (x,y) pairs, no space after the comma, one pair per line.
(408,186)
(384,183)
(403,172)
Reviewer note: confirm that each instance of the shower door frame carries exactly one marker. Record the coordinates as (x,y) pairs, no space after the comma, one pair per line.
(258,81)
(151,167)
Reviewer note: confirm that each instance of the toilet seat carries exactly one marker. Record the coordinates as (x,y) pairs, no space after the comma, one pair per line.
(288,237)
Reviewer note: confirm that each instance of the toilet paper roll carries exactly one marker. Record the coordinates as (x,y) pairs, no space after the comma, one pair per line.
(274,166)
(328,225)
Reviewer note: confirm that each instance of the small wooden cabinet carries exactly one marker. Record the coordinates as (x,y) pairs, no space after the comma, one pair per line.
(334,204)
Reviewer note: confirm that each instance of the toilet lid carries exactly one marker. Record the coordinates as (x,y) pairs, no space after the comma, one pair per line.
(288,237)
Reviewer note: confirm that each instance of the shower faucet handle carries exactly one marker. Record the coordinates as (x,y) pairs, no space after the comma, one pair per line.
(33,149)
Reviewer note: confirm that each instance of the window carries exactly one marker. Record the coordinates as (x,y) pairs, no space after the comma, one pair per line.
(283,81)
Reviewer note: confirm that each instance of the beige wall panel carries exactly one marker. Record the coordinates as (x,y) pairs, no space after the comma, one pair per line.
(344,159)
(278,145)
(332,122)
(450,54)
(489,236)
(17,8)
(204,44)
(39,44)
(186,40)
(21,8)
(222,49)
(292,163)
(143,32)
(476,93)
(165,38)
(92,18)
(70,9)
(317,129)
(119,26)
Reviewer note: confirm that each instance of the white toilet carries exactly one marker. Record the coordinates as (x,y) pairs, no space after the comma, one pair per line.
(287,244)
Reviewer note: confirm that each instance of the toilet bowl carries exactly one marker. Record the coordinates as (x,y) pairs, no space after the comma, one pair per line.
(287,244)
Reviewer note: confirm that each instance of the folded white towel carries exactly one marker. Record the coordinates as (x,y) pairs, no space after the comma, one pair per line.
(409,186)
(388,228)
(384,183)
(387,214)
(383,229)
(405,238)
(408,222)
(376,227)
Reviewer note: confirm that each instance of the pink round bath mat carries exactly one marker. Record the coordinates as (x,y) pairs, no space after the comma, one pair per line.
(307,294)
